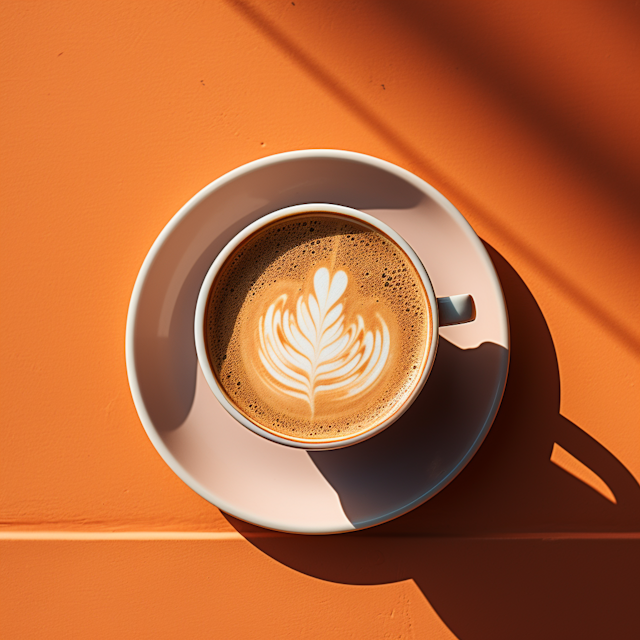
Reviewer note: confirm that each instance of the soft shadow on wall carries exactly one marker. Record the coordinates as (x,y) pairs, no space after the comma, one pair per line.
(515,546)
(551,82)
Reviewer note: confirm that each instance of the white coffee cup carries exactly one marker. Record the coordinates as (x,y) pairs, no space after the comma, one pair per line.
(447,311)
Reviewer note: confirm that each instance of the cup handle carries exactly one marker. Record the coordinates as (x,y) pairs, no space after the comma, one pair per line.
(456,310)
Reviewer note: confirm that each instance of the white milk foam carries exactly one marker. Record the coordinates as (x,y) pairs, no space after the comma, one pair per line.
(318,327)
(311,350)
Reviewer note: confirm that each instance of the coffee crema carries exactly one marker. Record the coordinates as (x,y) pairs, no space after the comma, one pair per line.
(318,327)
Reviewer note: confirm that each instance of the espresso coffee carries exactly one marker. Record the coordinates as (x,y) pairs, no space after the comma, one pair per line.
(318,327)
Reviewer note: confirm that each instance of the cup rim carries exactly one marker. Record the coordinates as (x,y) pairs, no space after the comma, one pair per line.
(201,308)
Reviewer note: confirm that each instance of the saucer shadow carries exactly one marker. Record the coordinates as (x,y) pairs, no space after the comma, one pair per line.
(515,546)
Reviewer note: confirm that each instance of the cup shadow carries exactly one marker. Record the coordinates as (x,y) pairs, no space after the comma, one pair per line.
(428,446)
(515,546)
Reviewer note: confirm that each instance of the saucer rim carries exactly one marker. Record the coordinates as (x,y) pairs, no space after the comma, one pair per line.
(166,233)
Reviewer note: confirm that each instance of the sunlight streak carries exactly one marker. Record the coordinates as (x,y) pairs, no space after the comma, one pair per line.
(563,459)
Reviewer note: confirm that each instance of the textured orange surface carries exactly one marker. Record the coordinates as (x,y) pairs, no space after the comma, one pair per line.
(525,115)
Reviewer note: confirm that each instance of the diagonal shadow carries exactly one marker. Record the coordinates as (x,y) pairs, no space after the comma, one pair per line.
(480,549)
(472,38)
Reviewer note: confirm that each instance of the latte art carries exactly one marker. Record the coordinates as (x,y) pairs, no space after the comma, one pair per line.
(312,350)
(317,327)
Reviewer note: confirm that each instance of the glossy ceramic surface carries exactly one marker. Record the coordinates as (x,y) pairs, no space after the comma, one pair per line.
(293,490)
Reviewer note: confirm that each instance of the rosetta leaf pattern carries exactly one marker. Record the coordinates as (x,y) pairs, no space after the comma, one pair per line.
(311,350)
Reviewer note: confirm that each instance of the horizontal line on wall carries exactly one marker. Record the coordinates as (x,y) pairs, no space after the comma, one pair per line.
(114,536)
(119,535)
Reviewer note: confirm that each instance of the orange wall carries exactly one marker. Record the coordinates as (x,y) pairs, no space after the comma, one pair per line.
(525,115)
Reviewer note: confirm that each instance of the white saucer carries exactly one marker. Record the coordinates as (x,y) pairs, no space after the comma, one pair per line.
(280,487)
